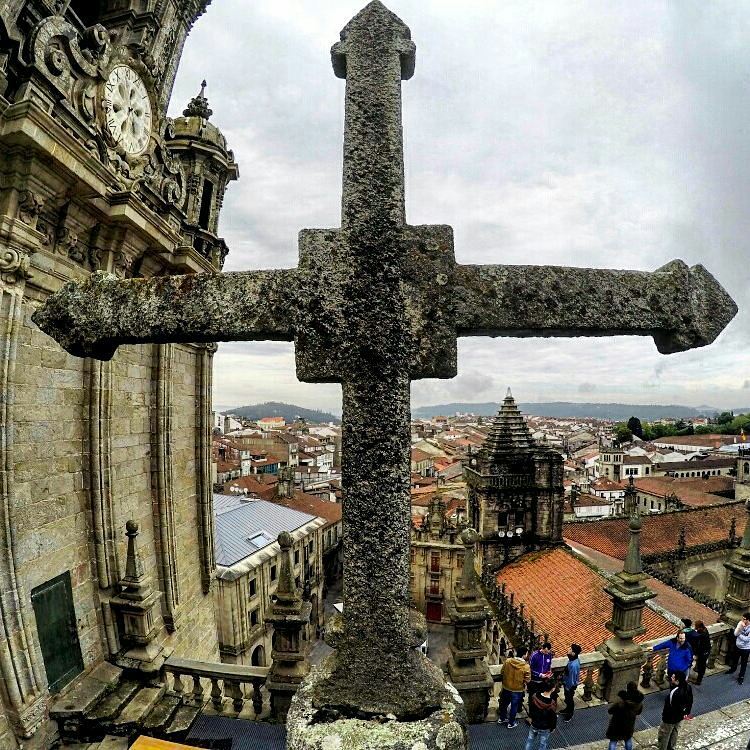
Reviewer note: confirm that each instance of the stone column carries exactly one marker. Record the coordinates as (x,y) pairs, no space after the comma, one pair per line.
(289,614)
(20,666)
(737,598)
(624,657)
(137,613)
(204,490)
(162,485)
(469,612)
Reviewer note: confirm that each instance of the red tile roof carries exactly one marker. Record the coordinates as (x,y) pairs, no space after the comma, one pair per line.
(306,503)
(566,598)
(660,531)
(670,599)
(697,441)
(692,491)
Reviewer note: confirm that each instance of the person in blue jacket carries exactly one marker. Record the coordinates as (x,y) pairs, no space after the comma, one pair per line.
(570,680)
(680,657)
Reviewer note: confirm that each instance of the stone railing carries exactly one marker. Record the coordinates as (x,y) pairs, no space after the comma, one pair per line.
(654,669)
(232,689)
(591,672)
(510,613)
(731,542)
(666,576)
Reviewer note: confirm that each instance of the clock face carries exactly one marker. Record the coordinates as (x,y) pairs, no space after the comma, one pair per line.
(127,110)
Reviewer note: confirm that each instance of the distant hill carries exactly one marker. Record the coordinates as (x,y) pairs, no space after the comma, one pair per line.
(290,412)
(559,409)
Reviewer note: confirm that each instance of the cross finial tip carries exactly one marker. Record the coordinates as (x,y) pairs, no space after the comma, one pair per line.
(508,394)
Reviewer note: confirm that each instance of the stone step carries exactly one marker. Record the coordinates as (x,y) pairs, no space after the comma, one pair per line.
(182,721)
(103,679)
(158,720)
(139,707)
(111,705)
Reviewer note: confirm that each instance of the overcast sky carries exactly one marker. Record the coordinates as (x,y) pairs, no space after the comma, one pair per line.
(567,132)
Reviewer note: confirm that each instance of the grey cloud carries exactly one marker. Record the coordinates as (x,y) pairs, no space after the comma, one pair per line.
(577,134)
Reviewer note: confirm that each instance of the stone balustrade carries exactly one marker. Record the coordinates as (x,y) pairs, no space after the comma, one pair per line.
(654,669)
(591,672)
(232,689)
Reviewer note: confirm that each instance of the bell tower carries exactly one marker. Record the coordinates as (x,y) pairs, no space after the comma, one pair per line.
(209,166)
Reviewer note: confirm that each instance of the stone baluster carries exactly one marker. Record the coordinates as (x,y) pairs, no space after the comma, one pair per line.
(217,695)
(588,683)
(661,669)
(648,670)
(233,689)
(257,697)
(197,691)
(713,654)
(177,685)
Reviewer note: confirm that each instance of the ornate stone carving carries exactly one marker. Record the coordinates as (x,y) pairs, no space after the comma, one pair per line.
(14,265)
(29,719)
(56,60)
(88,101)
(29,207)
(121,264)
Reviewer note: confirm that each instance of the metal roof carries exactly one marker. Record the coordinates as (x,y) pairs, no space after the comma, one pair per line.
(245,526)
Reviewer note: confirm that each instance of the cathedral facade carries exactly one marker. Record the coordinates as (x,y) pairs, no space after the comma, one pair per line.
(516,492)
(95,177)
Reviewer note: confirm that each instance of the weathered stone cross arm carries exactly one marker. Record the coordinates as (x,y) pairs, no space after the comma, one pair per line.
(93,318)
(680,307)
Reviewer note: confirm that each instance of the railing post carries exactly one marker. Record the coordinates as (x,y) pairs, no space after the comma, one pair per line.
(648,670)
(661,670)
(217,695)
(588,684)
(257,698)
(197,691)
(177,686)
(711,661)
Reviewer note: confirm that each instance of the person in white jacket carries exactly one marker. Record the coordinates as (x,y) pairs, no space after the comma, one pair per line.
(742,647)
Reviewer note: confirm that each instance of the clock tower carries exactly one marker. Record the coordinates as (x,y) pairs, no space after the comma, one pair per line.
(95,177)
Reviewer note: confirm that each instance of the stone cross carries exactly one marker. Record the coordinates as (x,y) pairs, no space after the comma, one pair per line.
(373,305)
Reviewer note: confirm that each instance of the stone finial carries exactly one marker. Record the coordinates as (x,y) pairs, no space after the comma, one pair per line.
(468,537)
(135,583)
(136,610)
(633,564)
(198,105)
(508,394)
(287,593)
(746,536)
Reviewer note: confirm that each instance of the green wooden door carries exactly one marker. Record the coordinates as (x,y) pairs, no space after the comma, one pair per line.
(58,635)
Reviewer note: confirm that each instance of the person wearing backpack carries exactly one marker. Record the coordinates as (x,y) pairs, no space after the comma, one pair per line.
(700,642)
(623,712)
(677,706)
(543,715)
(515,675)
(741,647)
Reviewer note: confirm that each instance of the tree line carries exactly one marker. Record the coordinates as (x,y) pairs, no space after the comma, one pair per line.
(726,423)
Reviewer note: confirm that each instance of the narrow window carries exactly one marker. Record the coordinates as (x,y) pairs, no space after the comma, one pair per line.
(206,198)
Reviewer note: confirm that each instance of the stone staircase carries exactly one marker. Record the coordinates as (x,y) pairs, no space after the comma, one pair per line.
(107,707)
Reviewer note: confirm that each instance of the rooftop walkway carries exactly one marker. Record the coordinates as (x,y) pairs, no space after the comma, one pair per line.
(721,708)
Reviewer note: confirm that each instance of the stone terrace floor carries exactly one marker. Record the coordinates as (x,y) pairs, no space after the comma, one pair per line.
(721,708)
